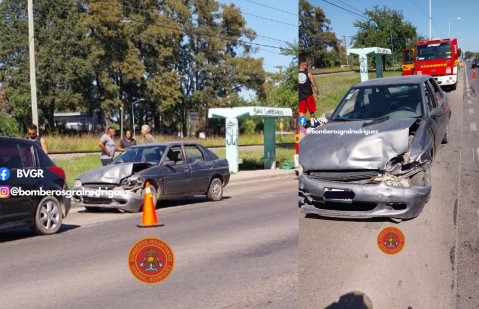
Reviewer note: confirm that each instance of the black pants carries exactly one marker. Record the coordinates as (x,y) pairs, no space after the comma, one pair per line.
(106,161)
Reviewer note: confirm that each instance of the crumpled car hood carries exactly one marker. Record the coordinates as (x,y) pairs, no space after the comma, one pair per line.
(355,151)
(107,174)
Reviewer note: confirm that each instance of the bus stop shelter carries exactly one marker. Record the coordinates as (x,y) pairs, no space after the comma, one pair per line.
(363,53)
(231,116)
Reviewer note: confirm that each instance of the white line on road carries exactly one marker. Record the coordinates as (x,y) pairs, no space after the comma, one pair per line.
(471,111)
(478,222)
(473,126)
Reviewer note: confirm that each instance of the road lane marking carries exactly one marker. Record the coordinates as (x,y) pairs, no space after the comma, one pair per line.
(471,111)
(473,126)
(478,222)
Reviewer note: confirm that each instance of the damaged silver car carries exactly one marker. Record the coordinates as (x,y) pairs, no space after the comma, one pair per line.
(373,158)
(173,170)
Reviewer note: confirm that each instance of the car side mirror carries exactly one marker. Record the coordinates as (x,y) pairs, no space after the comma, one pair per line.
(437,112)
(328,115)
(169,163)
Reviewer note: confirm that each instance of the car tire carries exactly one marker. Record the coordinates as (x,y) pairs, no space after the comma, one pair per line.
(153,193)
(48,216)
(423,178)
(215,191)
(445,138)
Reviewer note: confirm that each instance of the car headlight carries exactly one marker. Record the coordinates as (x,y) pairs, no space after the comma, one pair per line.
(133,181)
(300,170)
(77,183)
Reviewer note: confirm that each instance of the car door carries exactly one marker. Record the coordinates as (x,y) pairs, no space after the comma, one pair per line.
(443,104)
(20,207)
(437,122)
(201,169)
(177,174)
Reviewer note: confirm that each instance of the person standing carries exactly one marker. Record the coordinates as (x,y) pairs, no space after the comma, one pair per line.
(127,141)
(107,146)
(306,86)
(147,137)
(33,135)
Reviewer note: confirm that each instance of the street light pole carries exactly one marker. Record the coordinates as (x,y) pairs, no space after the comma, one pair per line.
(133,114)
(31,48)
(121,121)
(458,18)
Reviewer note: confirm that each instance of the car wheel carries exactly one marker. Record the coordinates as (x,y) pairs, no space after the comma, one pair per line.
(48,216)
(153,193)
(445,138)
(92,209)
(423,178)
(215,191)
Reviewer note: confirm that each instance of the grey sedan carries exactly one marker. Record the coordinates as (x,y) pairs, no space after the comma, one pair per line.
(373,158)
(173,170)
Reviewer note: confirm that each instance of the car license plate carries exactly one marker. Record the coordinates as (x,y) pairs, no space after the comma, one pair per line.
(338,195)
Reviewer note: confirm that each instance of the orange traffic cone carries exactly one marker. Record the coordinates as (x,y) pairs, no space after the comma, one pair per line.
(149,218)
(474,74)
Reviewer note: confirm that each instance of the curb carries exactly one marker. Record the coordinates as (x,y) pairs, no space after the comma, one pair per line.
(234,182)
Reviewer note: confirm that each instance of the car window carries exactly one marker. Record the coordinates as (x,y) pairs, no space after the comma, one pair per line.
(430,99)
(393,101)
(14,155)
(436,90)
(193,154)
(175,154)
(141,154)
(152,154)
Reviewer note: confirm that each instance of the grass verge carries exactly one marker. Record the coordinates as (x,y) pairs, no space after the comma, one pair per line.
(252,160)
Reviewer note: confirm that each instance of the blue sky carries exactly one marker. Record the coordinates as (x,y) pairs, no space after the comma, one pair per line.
(414,11)
(275,22)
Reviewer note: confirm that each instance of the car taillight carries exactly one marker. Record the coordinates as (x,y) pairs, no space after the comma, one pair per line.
(57,170)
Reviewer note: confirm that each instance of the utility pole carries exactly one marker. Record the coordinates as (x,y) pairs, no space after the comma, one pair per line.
(346,47)
(33,80)
(430,20)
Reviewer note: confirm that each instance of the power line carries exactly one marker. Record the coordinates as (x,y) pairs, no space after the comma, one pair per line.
(257,35)
(269,19)
(362,16)
(357,10)
(273,8)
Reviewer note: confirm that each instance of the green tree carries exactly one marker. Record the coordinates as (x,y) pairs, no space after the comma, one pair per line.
(215,63)
(315,36)
(385,28)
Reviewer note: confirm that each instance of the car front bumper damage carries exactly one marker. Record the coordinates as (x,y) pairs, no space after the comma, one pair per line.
(370,200)
(118,198)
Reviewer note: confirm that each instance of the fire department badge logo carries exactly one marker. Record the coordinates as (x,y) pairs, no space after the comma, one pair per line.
(151,260)
(302,78)
(391,240)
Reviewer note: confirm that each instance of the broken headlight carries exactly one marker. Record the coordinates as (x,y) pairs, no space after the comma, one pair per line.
(132,181)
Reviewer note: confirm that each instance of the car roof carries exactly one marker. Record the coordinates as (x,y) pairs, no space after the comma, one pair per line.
(392,81)
(164,144)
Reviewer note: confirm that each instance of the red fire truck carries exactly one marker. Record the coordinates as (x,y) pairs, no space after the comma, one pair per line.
(438,58)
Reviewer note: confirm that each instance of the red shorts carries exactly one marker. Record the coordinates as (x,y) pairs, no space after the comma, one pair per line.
(309,103)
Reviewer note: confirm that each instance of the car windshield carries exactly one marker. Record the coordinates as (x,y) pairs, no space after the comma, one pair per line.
(151,155)
(385,102)
(434,51)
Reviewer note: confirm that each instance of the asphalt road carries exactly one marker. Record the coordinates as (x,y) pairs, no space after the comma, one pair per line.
(468,202)
(340,262)
(241,252)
